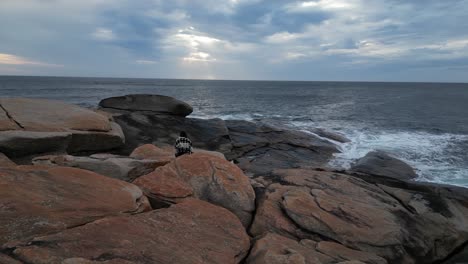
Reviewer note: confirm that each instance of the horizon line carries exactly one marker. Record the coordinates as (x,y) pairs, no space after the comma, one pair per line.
(235,80)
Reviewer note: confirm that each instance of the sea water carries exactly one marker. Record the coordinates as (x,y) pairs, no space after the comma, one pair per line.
(424,124)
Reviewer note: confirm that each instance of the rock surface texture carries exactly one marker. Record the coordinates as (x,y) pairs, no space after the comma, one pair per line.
(202,176)
(144,128)
(259,148)
(5,161)
(32,126)
(408,223)
(122,168)
(190,232)
(381,164)
(37,200)
(273,248)
(155,104)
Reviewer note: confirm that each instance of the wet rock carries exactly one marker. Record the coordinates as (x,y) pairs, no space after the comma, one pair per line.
(331,135)
(156,104)
(205,177)
(260,148)
(381,164)
(32,126)
(38,200)
(122,168)
(190,232)
(141,128)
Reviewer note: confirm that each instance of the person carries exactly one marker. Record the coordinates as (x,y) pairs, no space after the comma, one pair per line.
(183,145)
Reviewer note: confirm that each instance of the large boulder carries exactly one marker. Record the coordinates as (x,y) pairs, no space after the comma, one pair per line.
(406,223)
(143,128)
(273,248)
(260,148)
(31,126)
(205,177)
(191,232)
(154,104)
(36,200)
(381,164)
(118,167)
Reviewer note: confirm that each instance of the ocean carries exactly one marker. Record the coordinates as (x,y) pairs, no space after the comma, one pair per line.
(424,124)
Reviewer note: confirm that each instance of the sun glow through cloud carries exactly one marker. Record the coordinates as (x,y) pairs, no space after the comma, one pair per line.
(10,59)
(238,39)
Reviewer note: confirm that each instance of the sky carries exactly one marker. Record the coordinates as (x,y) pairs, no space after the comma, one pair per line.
(317,40)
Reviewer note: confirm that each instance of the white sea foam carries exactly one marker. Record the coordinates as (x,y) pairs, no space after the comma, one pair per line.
(435,157)
(248,117)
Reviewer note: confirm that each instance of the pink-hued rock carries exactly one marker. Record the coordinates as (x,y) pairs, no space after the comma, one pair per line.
(34,126)
(205,177)
(193,231)
(53,116)
(117,167)
(5,161)
(38,200)
(406,223)
(5,122)
(276,249)
(151,152)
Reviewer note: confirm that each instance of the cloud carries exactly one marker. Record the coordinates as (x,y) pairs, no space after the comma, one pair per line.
(103,34)
(9,59)
(232,39)
(146,62)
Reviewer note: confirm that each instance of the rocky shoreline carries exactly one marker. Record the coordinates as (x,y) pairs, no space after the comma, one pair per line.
(79,186)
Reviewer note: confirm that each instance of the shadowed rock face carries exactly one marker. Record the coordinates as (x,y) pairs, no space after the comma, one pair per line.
(190,232)
(5,161)
(405,224)
(381,164)
(36,200)
(144,128)
(32,126)
(117,167)
(260,148)
(156,104)
(205,177)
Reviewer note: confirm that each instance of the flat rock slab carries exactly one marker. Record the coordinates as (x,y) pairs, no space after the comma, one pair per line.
(157,104)
(37,200)
(381,164)
(122,168)
(35,126)
(205,177)
(191,232)
(53,116)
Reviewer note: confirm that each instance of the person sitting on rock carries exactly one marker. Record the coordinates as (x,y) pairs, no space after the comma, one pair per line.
(183,145)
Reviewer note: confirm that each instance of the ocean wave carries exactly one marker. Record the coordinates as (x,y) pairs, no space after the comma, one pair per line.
(435,157)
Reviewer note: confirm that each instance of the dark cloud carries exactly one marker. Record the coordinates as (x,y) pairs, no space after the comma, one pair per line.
(237,39)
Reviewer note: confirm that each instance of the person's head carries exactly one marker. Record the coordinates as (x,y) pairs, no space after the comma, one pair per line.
(183,134)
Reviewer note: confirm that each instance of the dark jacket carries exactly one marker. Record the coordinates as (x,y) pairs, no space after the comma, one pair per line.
(183,146)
